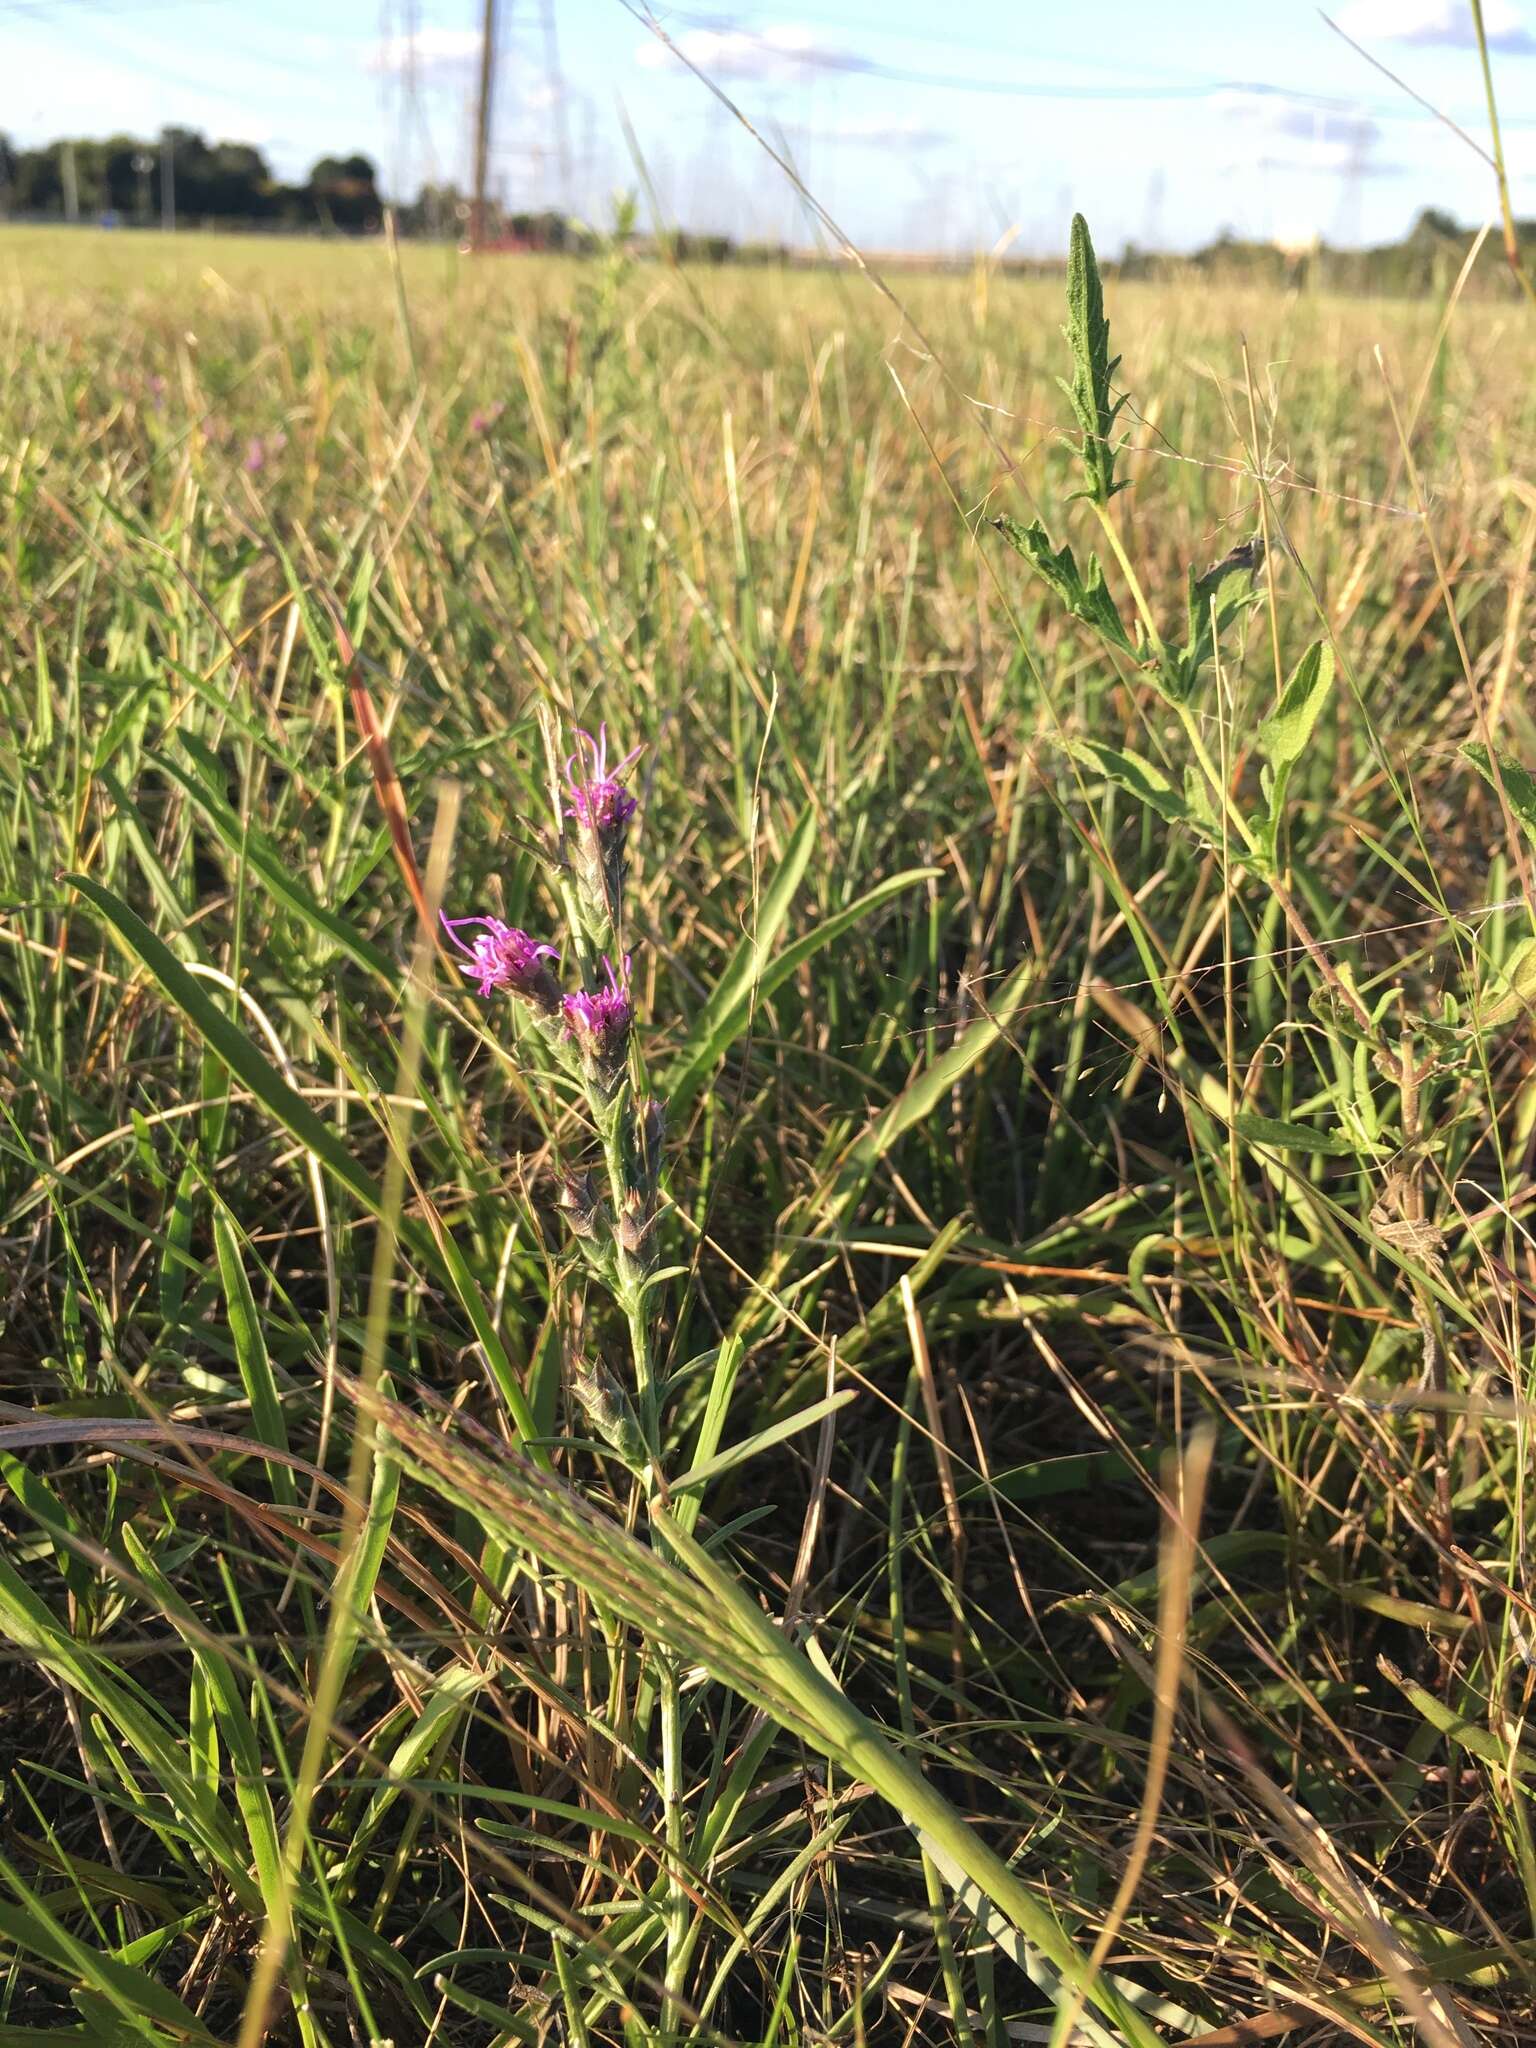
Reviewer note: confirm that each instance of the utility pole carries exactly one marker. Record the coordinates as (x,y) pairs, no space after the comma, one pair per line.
(143,164)
(167,181)
(69,181)
(483,123)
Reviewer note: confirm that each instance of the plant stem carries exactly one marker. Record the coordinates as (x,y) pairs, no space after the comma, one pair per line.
(967,1863)
(1506,210)
(1217,781)
(629,1295)
(1133,581)
(676,1911)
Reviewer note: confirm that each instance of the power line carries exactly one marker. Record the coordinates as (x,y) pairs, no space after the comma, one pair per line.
(851,63)
(988,46)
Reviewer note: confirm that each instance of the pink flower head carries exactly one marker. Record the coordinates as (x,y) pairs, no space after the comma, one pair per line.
(258,453)
(600,804)
(599,1020)
(501,956)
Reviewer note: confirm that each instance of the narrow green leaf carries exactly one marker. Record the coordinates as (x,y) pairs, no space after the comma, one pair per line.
(1131,772)
(127,819)
(248,1064)
(28,1623)
(1473,1736)
(40,1501)
(446,1700)
(723,1022)
(745,966)
(237,1731)
(177,1260)
(238,1052)
(925,1091)
(765,1439)
(1286,1137)
(137,1999)
(267,1420)
(1519,783)
(276,875)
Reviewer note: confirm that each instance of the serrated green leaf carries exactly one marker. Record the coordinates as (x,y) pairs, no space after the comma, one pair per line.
(1086,596)
(1088,338)
(1215,600)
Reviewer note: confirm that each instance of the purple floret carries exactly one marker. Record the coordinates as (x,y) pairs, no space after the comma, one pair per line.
(501,956)
(599,1019)
(600,804)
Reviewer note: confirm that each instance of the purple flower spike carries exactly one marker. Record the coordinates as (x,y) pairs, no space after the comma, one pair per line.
(600,804)
(501,956)
(599,1020)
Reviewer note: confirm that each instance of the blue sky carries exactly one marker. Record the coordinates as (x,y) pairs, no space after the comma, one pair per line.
(917,124)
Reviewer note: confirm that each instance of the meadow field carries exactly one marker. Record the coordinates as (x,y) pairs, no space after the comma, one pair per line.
(942,1457)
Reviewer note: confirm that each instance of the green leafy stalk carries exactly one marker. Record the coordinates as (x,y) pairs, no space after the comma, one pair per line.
(1087,332)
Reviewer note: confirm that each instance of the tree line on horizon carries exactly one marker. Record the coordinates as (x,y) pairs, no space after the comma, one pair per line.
(119,178)
(231,184)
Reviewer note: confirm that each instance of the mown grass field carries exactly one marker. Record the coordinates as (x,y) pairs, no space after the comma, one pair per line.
(1081,1582)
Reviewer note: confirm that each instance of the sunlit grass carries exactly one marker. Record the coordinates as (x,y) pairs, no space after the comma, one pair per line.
(999,1103)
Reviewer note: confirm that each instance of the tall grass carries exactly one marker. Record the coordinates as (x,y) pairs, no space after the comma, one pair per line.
(1083,1572)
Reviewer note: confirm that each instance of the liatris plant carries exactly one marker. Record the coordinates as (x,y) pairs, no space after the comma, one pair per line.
(612,1214)
(589,1030)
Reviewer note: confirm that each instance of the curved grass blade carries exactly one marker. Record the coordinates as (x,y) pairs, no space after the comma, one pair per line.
(434,1248)
(726,1014)
(251,847)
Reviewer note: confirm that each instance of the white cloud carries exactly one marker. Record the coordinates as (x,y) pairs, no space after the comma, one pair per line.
(880,131)
(1291,134)
(1445,24)
(782,54)
(430,49)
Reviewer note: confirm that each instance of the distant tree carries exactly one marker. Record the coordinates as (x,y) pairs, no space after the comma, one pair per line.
(437,210)
(121,184)
(344,192)
(39,180)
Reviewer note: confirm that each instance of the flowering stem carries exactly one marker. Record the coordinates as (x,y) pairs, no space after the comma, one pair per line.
(586,955)
(628,1289)
(628,1294)
(676,1913)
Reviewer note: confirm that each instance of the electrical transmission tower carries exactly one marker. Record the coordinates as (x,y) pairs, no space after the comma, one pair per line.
(556,94)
